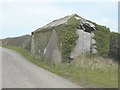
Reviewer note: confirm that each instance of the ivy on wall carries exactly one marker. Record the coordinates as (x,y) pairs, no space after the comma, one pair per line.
(67,37)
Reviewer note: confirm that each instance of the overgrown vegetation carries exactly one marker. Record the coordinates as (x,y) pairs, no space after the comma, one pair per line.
(85,70)
(114,51)
(102,37)
(97,70)
(67,38)
(73,22)
(108,44)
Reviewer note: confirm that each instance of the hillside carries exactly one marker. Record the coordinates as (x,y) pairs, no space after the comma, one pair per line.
(21,41)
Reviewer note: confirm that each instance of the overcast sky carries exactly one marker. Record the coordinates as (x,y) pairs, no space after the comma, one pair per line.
(24,17)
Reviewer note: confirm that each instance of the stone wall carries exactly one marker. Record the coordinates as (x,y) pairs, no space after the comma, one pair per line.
(51,51)
(39,43)
(83,44)
(44,45)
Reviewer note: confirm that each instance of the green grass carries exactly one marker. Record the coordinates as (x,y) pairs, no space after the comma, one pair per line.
(85,70)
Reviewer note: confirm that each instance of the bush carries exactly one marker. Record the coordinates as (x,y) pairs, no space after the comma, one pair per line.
(114,45)
(102,36)
(67,40)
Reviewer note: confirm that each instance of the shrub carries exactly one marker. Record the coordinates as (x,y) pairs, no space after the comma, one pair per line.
(67,38)
(114,45)
(102,36)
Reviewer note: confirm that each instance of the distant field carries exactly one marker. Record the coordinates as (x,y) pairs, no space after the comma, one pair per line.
(86,70)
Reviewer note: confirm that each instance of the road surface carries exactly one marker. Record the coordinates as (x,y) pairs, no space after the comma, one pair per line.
(17,72)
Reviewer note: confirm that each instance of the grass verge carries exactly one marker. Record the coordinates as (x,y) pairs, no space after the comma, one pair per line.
(86,71)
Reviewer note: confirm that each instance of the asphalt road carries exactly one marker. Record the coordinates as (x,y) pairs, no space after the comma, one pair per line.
(17,72)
